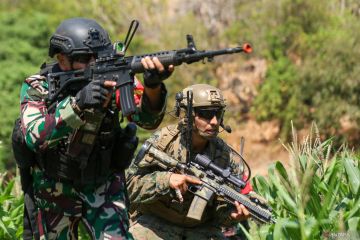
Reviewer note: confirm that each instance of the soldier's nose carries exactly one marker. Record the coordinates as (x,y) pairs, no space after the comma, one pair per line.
(214,120)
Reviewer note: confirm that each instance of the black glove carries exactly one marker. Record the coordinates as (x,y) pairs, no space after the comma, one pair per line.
(152,77)
(92,95)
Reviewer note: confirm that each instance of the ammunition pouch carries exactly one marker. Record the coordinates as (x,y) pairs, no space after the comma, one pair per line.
(90,158)
(85,158)
(64,168)
(124,147)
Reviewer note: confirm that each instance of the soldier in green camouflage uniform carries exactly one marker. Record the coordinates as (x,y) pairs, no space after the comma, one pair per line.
(93,191)
(157,212)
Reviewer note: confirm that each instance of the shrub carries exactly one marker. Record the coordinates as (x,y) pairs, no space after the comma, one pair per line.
(11,211)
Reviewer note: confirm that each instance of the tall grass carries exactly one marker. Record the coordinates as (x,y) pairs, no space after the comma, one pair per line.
(317,197)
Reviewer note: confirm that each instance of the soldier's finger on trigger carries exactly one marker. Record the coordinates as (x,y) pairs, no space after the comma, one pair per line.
(192,180)
(109,84)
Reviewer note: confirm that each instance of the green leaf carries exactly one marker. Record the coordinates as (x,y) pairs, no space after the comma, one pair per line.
(354,211)
(4,227)
(354,224)
(8,188)
(247,234)
(287,229)
(311,227)
(261,186)
(353,175)
(281,191)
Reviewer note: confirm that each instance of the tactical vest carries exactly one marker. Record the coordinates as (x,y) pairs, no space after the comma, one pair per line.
(85,157)
(168,207)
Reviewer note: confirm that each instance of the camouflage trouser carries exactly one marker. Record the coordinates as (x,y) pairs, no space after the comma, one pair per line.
(61,208)
(148,227)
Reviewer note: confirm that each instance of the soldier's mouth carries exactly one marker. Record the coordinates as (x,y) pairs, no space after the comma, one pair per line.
(212,131)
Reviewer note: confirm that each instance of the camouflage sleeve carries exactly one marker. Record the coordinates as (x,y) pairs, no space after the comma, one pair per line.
(146,185)
(146,182)
(144,117)
(41,127)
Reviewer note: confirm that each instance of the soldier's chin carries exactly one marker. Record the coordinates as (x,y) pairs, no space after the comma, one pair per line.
(208,135)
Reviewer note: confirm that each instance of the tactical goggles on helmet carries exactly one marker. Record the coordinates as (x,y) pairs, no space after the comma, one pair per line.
(83,58)
(209,113)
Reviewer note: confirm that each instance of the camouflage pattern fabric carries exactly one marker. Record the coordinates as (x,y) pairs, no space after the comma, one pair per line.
(150,193)
(61,206)
(148,227)
(42,128)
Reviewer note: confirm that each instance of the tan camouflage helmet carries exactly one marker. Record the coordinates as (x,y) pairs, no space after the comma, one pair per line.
(204,95)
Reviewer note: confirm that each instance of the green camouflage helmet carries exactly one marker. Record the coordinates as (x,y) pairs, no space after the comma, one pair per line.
(204,95)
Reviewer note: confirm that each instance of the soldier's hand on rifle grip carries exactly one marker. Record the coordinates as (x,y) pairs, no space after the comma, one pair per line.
(155,72)
(94,94)
(180,181)
(110,85)
(240,213)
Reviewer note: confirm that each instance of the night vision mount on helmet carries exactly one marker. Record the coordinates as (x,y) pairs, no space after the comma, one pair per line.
(205,95)
(79,36)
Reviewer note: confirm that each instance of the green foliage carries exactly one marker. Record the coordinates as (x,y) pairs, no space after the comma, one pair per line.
(316,197)
(24,48)
(311,48)
(281,98)
(11,211)
(332,90)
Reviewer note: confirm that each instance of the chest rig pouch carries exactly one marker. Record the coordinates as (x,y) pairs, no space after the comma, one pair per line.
(85,157)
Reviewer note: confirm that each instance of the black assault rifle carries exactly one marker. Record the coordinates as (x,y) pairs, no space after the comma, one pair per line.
(214,180)
(111,64)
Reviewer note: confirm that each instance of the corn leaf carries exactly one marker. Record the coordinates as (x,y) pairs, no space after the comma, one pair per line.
(353,174)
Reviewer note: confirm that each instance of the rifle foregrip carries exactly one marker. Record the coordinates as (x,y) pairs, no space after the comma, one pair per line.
(256,211)
(166,58)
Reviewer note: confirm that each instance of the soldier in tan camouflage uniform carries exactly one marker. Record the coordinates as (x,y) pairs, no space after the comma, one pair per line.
(156,210)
